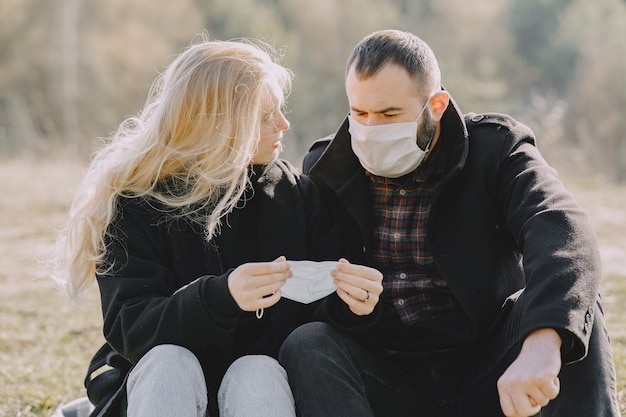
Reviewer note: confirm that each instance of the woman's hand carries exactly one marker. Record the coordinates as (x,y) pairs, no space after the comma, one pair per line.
(358,286)
(256,285)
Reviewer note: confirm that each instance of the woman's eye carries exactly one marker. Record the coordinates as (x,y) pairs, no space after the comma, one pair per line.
(269,117)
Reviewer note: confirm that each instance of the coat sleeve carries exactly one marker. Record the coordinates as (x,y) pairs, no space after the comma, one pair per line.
(560,256)
(146,304)
(323,237)
(332,309)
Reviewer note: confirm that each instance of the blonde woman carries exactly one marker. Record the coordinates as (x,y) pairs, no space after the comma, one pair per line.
(186,219)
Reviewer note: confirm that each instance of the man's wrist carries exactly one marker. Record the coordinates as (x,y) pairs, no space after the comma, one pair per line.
(546,338)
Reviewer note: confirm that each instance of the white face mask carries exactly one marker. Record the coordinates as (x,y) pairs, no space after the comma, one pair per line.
(388,150)
(310,281)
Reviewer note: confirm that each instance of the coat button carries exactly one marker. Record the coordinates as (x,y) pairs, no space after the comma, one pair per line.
(478,118)
(588,315)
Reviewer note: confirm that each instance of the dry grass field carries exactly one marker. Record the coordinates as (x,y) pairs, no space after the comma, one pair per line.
(46,342)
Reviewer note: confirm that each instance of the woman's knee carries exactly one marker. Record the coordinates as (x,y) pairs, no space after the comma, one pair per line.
(254,365)
(168,362)
(255,385)
(173,356)
(168,380)
(253,374)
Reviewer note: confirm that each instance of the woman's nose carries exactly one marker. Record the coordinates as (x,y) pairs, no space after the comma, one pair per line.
(283,123)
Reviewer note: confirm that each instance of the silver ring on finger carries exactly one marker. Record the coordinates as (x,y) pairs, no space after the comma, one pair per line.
(367,296)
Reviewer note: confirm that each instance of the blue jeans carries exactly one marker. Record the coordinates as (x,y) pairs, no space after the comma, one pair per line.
(169,381)
(333,375)
(255,386)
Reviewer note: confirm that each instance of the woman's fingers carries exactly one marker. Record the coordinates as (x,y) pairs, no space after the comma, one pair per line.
(257,285)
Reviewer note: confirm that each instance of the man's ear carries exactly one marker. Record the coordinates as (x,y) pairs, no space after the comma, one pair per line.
(438,104)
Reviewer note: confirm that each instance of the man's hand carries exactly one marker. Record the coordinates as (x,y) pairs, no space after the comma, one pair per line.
(256,285)
(531,381)
(358,286)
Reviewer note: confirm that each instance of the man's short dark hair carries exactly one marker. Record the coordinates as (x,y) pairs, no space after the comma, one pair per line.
(396,47)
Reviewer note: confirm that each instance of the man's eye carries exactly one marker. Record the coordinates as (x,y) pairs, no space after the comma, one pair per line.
(390,116)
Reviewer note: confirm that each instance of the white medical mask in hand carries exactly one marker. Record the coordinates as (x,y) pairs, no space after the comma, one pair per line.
(310,281)
(388,150)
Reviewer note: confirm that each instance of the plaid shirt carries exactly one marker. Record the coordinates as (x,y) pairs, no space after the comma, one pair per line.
(413,287)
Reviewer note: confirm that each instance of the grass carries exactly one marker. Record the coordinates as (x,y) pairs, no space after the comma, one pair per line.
(614,307)
(46,342)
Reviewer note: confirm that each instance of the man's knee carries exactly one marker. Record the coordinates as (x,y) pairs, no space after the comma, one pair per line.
(313,344)
(307,338)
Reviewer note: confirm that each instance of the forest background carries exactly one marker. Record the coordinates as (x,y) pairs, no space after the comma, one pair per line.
(71,70)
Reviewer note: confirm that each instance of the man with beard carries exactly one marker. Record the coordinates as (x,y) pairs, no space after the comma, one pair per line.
(491,269)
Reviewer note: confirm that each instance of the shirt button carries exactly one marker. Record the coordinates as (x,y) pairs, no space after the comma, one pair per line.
(402,275)
(396,236)
(402,192)
(400,302)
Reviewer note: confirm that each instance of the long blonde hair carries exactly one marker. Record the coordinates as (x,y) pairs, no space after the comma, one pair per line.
(198,130)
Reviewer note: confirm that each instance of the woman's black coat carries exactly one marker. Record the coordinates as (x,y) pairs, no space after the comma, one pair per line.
(167,285)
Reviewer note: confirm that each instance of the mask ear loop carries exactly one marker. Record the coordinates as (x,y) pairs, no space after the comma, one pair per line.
(430,142)
(418,117)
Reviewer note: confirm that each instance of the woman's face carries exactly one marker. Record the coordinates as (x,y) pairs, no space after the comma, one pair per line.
(273,124)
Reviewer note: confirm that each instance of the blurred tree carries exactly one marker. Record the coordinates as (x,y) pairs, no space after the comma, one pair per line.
(597,92)
(28,96)
(474,48)
(70,33)
(533,25)
(124,46)
(70,70)
(233,19)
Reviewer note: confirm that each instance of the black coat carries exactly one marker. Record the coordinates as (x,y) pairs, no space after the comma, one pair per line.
(501,222)
(169,286)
